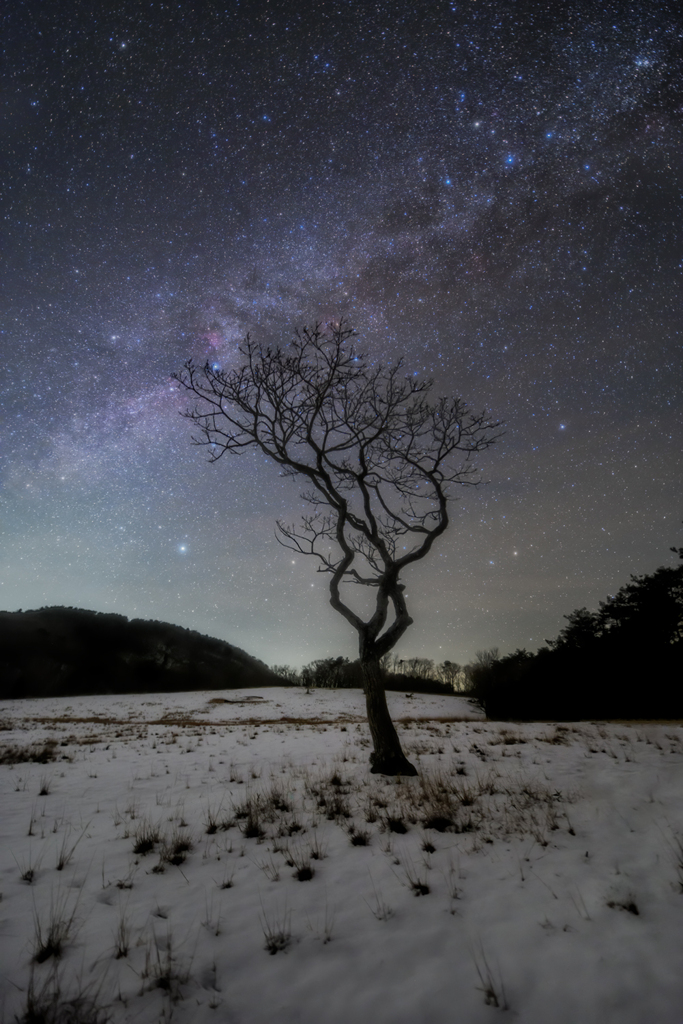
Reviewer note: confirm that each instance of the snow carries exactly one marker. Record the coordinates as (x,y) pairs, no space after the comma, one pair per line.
(556,893)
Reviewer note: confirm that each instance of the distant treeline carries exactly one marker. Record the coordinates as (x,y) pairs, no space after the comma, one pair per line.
(67,651)
(417,675)
(623,661)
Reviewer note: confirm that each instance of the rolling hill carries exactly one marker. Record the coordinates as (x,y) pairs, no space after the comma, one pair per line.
(61,651)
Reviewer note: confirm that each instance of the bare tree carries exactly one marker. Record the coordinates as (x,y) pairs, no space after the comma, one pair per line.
(449,672)
(379,460)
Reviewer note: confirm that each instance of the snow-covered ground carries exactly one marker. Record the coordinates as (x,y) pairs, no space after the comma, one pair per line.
(530,870)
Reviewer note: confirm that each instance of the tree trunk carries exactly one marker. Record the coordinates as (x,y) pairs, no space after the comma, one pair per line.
(387,758)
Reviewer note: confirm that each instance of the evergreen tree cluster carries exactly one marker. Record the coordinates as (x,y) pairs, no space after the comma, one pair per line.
(623,661)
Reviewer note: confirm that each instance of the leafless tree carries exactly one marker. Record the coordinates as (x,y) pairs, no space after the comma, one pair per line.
(449,672)
(379,460)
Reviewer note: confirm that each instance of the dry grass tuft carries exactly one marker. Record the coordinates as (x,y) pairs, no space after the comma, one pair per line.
(32,752)
(51,935)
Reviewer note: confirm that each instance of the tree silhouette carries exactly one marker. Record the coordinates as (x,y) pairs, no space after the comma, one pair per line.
(379,460)
(623,661)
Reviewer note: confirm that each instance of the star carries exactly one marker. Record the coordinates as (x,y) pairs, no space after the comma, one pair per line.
(497,204)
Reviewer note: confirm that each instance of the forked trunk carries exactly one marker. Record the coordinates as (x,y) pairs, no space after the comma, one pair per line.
(387,757)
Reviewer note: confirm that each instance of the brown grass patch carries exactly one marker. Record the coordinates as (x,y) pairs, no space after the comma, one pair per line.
(38,753)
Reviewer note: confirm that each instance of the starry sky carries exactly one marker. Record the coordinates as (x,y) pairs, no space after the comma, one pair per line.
(492,189)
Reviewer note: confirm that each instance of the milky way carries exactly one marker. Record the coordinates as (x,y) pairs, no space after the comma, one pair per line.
(493,190)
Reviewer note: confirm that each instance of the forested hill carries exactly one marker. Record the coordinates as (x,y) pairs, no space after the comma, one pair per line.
(66,651)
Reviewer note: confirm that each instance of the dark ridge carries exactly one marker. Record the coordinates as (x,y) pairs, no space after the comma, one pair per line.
(58,651)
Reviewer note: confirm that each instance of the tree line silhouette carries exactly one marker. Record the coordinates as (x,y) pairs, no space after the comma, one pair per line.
(62,651)
(419,675)
(623,661)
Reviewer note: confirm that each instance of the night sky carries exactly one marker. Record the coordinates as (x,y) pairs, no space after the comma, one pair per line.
(494,190)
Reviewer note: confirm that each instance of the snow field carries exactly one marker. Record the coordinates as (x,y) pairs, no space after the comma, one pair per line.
(229,857)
